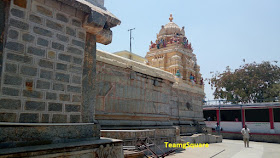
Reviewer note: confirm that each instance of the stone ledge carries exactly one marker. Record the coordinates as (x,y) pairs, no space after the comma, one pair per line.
(59,148)
(27,134)
(186,87)
(126,123)
(184,119)
(43,124)
(131,131)
(202,138)
(137,127)
(136,66)
(98,20)
(88,7)
(134,115)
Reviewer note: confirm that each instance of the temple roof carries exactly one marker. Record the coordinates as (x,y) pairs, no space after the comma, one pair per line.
(171,35)
(171,28)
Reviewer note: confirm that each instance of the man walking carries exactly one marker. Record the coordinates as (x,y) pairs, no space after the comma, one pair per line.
(245,132)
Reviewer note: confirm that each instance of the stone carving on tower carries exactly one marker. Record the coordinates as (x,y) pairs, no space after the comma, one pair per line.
(172,51)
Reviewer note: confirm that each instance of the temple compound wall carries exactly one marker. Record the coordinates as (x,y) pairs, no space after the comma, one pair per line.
(48,52)
(132,95)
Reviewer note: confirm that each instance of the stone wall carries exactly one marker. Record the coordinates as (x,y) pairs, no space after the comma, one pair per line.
(131,94)
(3,14)
(103,148)
(47,71)
(130,137)
(42,68)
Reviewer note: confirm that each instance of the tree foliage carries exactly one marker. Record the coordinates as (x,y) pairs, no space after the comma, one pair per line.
(249,83)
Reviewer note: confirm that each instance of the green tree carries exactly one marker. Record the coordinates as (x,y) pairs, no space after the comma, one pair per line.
(249,83)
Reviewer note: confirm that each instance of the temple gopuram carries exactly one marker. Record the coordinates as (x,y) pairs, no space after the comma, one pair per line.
(173,52)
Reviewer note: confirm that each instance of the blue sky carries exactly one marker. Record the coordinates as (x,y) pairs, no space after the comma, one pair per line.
(222,32)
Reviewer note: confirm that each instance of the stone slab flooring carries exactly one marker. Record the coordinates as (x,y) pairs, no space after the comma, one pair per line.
(232,149)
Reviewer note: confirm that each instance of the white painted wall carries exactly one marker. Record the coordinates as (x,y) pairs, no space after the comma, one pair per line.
(258,127)
(255,127)
(231,126)
(226,126)
(277,127)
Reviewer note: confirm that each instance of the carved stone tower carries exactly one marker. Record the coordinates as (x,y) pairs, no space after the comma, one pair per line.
(172,51)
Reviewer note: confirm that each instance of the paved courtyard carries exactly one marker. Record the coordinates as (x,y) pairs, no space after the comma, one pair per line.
(232,149)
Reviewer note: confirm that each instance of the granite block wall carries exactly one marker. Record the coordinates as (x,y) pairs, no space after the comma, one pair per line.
(41,78)
(122,88)
(129,98)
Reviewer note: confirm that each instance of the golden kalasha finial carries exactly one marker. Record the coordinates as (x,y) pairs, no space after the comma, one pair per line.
(170,18)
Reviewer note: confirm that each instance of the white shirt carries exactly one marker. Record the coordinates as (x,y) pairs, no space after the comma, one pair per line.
(245,132)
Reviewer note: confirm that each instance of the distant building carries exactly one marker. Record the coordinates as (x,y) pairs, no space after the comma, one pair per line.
(172,51)
(131,56)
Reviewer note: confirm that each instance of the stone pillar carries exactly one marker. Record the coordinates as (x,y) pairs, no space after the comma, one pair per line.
(165,62)
(2,33)
(89,72)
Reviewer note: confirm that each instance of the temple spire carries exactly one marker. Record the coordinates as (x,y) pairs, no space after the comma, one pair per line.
(171,18)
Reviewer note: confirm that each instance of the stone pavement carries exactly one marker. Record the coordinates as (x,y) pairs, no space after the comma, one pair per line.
(232,149)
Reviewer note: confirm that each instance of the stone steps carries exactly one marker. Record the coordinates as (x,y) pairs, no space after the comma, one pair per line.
(202,138)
